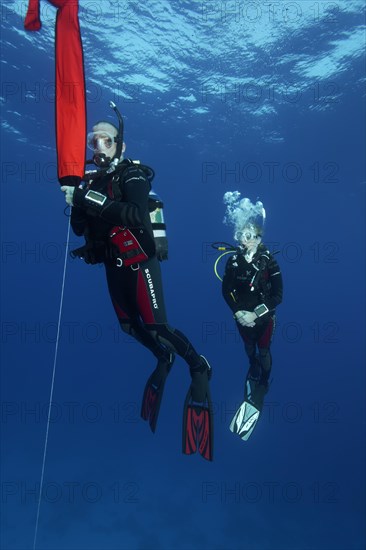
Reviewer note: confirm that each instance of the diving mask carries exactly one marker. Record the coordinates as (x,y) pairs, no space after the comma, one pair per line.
(100,142)
(249,234)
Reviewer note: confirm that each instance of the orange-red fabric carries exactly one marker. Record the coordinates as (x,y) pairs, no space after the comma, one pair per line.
(32,20)
(70,86)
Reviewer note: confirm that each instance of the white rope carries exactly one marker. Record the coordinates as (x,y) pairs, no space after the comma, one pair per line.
(52,386)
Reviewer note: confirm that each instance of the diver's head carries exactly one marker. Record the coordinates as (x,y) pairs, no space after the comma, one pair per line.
(249,236)
(103,142)
(246,216)
(248,220)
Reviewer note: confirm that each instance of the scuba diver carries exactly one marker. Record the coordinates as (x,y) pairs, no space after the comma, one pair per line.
(113,211)
(252,288)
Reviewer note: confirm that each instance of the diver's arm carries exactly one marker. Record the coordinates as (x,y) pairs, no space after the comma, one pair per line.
(131,212)
(78,221)
(228,289)
(275,297)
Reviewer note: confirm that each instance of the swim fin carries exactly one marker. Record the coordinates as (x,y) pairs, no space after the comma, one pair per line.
(197,414)
(246,417)
(244,420)
(153,392)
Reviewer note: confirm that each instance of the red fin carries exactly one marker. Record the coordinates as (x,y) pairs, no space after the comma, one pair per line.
(198,432)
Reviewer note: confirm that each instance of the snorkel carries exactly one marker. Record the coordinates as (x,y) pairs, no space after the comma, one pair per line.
(101,159)
(119,138)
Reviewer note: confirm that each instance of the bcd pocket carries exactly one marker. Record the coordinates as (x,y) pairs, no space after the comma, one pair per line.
(128,246)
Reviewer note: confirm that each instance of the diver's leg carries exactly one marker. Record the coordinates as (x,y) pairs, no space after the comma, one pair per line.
(122,284)
(151,308)
(265,357)
(248,335)
(134,328)
(125,289)
(197,424)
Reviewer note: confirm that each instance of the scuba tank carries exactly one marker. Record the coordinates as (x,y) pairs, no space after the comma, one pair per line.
(158,225)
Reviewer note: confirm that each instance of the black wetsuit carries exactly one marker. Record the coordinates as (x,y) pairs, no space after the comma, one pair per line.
(136,291)
(246,285)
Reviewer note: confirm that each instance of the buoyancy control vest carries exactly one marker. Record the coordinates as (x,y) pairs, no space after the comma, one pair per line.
(130,246)
(252,278)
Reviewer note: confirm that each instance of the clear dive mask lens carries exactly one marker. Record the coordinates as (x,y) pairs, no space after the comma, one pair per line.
(249,235)
(100,141)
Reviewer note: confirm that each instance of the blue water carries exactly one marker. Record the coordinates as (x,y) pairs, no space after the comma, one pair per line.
(217,96)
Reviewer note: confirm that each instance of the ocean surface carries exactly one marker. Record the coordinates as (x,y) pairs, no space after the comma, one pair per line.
(266,98)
